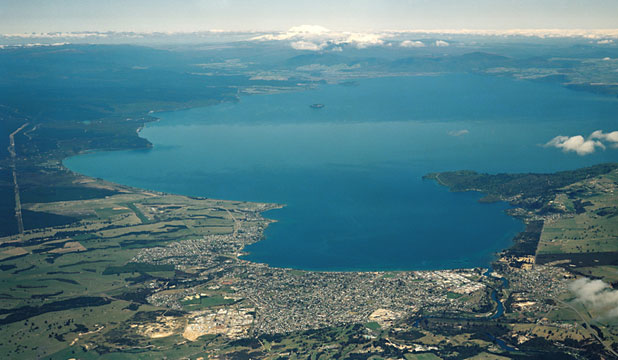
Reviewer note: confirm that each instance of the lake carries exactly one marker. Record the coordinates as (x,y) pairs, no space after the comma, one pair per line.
(350,173)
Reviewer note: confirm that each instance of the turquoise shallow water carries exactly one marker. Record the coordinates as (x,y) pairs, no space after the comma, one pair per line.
(350,173)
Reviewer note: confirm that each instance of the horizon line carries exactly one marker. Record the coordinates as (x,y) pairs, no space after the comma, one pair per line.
(569,32)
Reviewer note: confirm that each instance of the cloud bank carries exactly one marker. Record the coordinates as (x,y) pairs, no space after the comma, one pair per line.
(318,38)
(322,38)
(597,34)
(604,36)
(315,38)
(596,295)
(585,146)
(411,44)
(306,45)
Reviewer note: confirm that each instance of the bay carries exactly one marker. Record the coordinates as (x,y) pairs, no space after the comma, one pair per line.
(350,173)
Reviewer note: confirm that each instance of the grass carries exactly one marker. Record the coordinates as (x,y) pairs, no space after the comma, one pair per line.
(423,356)
(563,314)
(608,273)
(594,230)
(488,356)
(209,301)
(551,332)
(373,325)
(137,267)
(107,213)
(452,295)
(102,270)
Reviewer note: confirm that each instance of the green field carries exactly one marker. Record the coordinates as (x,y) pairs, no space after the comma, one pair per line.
(204,302)
(592,229)
(78,278)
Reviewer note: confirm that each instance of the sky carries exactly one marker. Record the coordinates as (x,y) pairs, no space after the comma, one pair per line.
(25,16)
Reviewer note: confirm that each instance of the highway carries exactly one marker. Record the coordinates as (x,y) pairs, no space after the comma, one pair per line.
(13,152)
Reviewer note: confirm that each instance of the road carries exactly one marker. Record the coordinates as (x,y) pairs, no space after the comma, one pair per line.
(590,329)
(13,152)
(236,223)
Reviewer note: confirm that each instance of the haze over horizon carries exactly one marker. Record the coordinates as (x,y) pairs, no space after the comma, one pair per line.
(279,15)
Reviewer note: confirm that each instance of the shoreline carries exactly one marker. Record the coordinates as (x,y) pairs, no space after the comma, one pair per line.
(276,206)
(494,255)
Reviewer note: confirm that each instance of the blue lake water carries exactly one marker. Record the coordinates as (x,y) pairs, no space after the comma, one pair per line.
(350,173)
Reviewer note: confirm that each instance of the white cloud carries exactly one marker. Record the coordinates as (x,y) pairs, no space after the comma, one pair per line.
(604,36)
(309,29)
(307,45)
(297,32)
(303,32)
(411,44)
(441,43)
(597,34)
(605,42)
(458,132)
(314,37)
(597,295)
(575,143)
(585,146)
(611,137)
(53,35)
(362,40)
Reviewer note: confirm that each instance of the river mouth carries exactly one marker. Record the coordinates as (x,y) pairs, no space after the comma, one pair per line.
(350,172)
